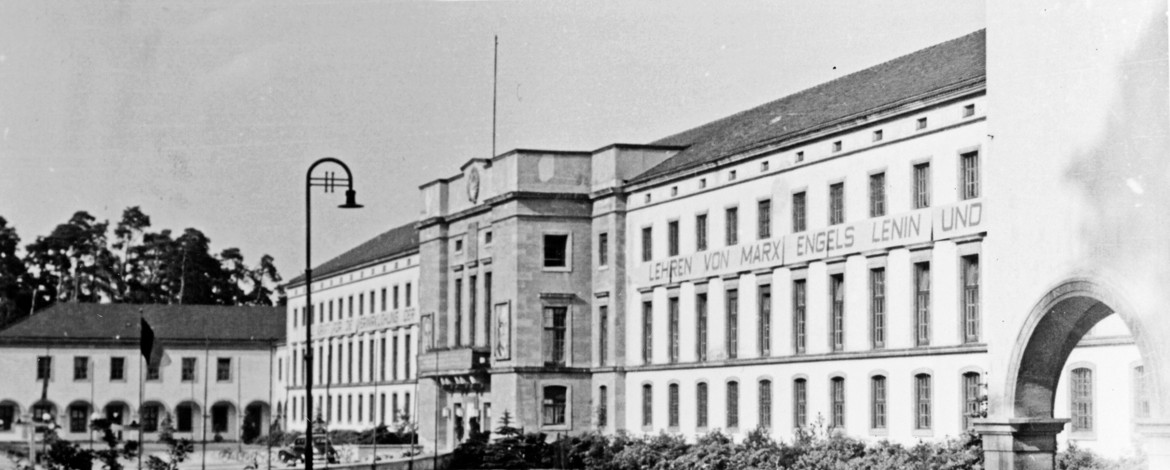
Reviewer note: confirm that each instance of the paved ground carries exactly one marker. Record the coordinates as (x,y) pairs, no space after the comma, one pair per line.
(219,456)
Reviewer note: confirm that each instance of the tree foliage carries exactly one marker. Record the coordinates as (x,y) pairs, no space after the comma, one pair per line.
(83,260)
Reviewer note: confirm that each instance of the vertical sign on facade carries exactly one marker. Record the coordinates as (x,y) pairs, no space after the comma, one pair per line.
(503,314)
(426,324)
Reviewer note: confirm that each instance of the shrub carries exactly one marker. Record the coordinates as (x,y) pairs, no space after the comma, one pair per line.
(1076,458)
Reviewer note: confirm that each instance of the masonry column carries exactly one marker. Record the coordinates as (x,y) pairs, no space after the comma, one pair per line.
(1020,443)
(1155,439)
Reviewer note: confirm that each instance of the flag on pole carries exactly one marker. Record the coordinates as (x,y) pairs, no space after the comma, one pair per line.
(152,349)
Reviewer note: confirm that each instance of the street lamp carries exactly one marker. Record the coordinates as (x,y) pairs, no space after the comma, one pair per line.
(329,182)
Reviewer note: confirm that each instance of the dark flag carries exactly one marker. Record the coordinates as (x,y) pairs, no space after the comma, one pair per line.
(152,349)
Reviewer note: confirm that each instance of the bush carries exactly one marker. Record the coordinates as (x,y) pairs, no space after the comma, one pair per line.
(1076,458)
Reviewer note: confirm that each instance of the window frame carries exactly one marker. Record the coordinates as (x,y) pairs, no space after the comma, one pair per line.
(544,237)
(183,375)
(836,203)
(702,326)
(702,226)
(920,185)
(731,226)
(731,322)
(878,403)
(219,369)
(923,403)
(922,302)
(764,219)
(672,405)
(647,331)
(764,400)
(84,375)
(837,402)
(672,237)
(732,405)
(674,335)
(603,249)
(877,307)
(647,243)
(799,316)
(877,194)
(799,211)
(764,319)
(837,312)
(563,406)
(971,305)
(702,402)
(1082,389)
(555,337)
(970,173)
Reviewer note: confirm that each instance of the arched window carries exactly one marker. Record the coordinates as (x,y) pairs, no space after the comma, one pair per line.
(672,400)
(732,404)
(972,398)
(647,405)
(1082,399)
(877,392)
(602,406)
(765,403)
(555,399)
(701,400)
(78,417)
(799,403)
(922,401)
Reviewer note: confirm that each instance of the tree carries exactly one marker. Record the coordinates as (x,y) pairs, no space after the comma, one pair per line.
(73,263)
(14,293)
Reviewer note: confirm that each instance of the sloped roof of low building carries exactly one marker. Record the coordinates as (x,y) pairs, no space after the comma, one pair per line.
(885,86)
(78,322)
(394,242)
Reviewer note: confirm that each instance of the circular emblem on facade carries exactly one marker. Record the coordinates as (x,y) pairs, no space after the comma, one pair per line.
(473,185)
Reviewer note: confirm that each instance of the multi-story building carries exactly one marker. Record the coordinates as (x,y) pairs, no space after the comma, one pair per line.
(365,335)
(220,376)
(821,257)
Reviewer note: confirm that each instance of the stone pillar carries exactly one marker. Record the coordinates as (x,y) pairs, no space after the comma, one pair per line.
(1155,438)
(1020,443)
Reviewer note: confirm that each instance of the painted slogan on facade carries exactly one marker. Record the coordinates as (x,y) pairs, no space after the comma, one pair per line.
(918,226)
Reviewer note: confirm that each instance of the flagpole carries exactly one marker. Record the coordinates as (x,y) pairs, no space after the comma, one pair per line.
(141,386)
(205,409)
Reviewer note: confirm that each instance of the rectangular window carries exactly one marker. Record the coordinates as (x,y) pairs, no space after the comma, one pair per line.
(396,297)
(152,372)
(647,405)
(384,305)
(798,316)
(1141,393)
(362,304)
(647,244)
(556,251)
(701,232)
(188,371)
(800,403)
(672,238)
(81,368)
(799,157)
(837,314)
(408,356)
(920,124)
(877,308)
(922,400)
(877,135)
(555,402)
(554,335)
(1081,402)
(361,355)
(972,398)
(223,369)
(798,213)
(877,194)
(922,304)
(836,203)
(970,169)
(647,332)
(765,407)
(701,405)
(348,362)
(407,297)
(472,321)
(732,328)
(877,391)
(602,406)
(968,110)
(44,367)
(837,146)
(921,185)
(602,249)
(674,335)
(117,368)
(603,334)
(731,227)
(672,401)
(150,418)
(764,328)
(837,391)
(971,316)
(701,327)
(732,405)
(764,219)
(458,333)
(394,359)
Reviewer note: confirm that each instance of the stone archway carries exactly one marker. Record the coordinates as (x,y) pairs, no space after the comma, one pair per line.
(1027,438)
(256,420)
(223,421)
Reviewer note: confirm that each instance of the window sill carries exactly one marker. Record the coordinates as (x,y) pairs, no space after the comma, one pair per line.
(922,433)
(555,269)
(879,432)
(1082,435)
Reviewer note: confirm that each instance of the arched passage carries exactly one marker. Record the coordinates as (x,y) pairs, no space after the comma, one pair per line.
(223,421)
(188,419)
(77,417)
(255,421)
(1053,328)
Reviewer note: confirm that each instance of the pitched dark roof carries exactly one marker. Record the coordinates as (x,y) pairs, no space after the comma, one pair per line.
(119,323)
(395,241)
(908,78)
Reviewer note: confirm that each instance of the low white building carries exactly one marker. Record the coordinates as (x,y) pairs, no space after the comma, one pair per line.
(72,359)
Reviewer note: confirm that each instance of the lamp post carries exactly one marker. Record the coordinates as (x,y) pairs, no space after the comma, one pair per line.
(329,182)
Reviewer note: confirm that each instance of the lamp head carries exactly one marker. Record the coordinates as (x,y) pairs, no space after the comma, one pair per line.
(350,200)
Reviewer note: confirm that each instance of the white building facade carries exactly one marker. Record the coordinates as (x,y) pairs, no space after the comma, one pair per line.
(76,362)
(365,336)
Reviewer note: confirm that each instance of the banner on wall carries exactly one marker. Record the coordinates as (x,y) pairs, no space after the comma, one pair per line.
(503,314)
(879,233)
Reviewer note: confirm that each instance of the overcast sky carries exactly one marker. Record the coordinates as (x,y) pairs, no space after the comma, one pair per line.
(207,113)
